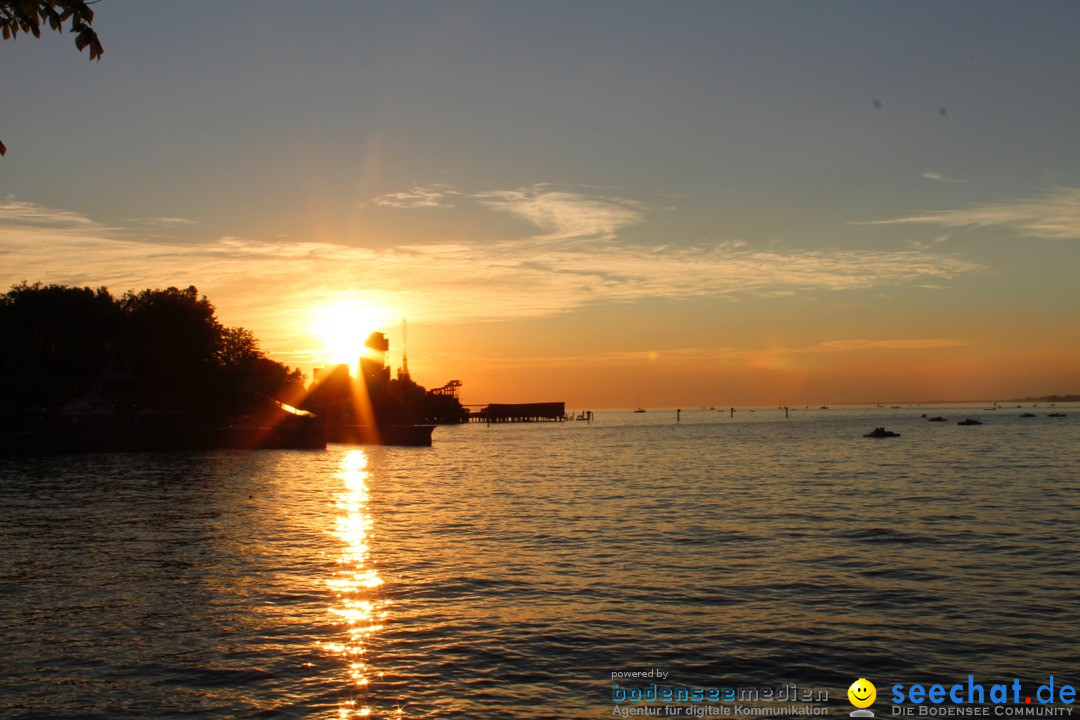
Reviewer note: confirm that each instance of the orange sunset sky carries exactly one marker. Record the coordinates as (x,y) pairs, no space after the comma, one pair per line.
(699,203)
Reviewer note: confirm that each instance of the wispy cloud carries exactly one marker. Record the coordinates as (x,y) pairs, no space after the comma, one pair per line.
(1054,216)
(559,214)
(853,345)
(938,177)
(271,286)
(719,355)
(425,196)
(17,213)
(563,215)
(165,221)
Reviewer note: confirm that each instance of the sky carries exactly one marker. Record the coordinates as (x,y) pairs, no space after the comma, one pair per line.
(691,203)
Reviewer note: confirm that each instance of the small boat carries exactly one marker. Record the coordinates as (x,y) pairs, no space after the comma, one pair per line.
(639,408)
(1056,414)
(969,421)
(880,432)
(1027,414)
(937,418)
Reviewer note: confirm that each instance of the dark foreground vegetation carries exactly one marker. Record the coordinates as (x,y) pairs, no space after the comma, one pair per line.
(86,371)
(156,358)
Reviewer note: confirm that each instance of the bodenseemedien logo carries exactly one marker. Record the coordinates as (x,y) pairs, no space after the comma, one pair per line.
(862,694)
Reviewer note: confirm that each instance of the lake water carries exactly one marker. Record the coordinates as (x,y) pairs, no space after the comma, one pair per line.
(508,571)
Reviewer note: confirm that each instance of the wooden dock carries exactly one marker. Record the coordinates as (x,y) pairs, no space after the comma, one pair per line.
(520,412)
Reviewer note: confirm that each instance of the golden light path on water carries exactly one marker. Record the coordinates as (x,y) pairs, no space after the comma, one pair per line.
(357,608)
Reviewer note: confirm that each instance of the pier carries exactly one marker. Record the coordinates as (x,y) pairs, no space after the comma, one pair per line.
(520,412)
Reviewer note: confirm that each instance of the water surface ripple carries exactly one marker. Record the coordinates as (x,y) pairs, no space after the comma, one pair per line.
(507,571)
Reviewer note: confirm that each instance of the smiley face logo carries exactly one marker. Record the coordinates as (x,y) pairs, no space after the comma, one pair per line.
(862,693)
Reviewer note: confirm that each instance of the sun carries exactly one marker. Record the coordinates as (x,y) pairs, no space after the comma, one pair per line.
(342,326)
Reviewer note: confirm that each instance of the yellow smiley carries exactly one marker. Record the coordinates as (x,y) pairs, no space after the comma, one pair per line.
(862,693)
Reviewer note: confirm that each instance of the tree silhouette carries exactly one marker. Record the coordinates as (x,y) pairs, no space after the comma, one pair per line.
(29,15)
(156,351)
(171,340)
(56,340)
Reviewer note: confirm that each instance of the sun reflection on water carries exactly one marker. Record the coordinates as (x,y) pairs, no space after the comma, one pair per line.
(358,608)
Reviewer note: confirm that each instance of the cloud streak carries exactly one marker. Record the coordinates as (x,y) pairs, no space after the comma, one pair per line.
(562,215)
(427,196)
(271,287)
(559,215)
(938,177)
(853,345)
(711,356)
(16,214)
(1055,216)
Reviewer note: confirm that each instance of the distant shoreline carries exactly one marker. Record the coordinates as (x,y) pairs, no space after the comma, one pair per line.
(902,403)
(1041,398)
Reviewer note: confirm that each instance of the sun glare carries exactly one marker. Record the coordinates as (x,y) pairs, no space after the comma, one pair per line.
(342,327)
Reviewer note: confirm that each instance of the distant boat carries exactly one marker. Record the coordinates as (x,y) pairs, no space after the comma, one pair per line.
(639,408)
(1056,414)
(937,418)
(881,432)
(969,421)
(1027,414)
